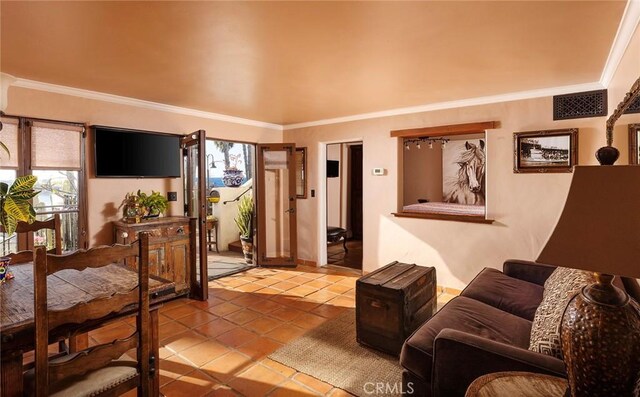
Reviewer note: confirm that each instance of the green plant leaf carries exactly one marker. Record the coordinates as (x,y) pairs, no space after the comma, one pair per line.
(24,195)
(245,215)
(4,188)
(18,209)
(9,223)
(23,183)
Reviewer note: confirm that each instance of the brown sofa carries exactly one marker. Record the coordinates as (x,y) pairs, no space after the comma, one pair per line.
(485,329)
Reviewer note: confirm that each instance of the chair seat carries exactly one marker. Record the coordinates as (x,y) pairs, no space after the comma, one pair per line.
(334,234)
(467,315)
(92,383)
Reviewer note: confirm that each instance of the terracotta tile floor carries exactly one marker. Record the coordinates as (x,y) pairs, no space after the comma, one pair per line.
(220,347)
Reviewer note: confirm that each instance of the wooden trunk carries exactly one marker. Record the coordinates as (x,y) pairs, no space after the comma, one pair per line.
(169,247)
(392,302)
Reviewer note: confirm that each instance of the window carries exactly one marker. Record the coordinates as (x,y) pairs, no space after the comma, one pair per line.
(443,172)
(54,152)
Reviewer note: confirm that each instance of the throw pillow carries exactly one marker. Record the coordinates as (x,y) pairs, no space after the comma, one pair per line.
(559,288)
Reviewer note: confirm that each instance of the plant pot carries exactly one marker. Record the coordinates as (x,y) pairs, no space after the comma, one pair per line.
(5,274)
(232,177)
(247,249)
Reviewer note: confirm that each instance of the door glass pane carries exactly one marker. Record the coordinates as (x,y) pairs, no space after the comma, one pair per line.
(192,193)
(8,244)
(58,195)
(277,213)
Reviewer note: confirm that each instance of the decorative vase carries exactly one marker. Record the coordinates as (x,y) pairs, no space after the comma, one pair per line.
(5,274)
(232,177)
(247,249)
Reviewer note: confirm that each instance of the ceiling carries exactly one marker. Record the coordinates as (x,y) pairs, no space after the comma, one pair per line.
(292,62)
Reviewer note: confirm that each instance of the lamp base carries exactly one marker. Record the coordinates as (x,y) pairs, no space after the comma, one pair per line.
(600,336)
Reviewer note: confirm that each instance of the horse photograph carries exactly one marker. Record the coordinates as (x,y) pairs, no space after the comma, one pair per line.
(463,166)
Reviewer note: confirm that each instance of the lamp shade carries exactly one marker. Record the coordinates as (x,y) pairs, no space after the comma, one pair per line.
(5,81)
(599,228)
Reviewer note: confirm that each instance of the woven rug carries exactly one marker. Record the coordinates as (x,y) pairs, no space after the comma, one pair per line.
(330,353)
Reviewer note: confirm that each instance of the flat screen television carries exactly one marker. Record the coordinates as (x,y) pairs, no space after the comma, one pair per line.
(122,153)
(333,168)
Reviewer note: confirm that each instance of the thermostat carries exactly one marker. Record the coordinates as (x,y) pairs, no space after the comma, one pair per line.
(378,171)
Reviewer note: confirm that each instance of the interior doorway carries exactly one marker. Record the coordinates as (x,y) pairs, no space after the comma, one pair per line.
(343,187)
(230,181)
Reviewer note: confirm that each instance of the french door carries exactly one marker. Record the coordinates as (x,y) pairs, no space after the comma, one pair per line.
(195,207)
(276,205)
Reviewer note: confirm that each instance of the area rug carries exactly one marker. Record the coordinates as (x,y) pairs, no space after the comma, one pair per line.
(330,353)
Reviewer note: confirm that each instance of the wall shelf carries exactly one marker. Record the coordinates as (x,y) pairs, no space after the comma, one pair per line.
(444,217)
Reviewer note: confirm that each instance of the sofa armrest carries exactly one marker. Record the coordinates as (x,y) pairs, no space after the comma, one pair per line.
(459,358)
(532,272)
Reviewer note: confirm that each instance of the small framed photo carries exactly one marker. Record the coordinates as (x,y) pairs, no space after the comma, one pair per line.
(545,151)
(634,144)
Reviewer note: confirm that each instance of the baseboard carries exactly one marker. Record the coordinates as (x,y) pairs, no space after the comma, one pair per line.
(305,262)
(446,290)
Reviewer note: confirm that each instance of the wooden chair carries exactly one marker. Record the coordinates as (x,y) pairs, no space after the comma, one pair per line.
(52,223)
(99,370)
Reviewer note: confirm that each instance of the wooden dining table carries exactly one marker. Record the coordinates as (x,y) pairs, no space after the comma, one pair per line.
(66,288)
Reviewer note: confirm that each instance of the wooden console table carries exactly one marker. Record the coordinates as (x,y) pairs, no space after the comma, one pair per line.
(169,247)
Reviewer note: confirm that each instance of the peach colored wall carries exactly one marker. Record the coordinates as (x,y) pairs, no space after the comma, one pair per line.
(106,194)
(422,174)
(334,217)
(524,206)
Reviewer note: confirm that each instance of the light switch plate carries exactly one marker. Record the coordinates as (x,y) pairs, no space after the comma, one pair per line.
(379,171)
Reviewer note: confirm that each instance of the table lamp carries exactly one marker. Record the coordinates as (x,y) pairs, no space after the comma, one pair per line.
(599,231)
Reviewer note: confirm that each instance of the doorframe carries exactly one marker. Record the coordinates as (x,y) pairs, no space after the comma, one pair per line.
(264,261)
(254,171)
(322,197)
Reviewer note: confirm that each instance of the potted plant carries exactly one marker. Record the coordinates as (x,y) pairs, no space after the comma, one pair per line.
(155,203)
(14,202)
(244,221)
(15,207)
(232,176)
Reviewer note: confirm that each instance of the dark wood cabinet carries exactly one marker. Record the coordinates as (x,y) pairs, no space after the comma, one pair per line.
(169,247)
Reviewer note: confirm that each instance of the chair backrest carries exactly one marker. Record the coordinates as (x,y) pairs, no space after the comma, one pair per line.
(104,308)
(52,223)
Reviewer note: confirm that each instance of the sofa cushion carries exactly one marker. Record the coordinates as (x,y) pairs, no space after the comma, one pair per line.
(559,288)
(512,295)
(467,315)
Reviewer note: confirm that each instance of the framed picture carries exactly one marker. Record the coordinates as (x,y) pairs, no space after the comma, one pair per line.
(634,144)
(545,151)
(301,172)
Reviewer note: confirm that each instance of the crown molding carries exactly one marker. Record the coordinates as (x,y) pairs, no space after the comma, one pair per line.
(626,29)
(485,100)
(100,96)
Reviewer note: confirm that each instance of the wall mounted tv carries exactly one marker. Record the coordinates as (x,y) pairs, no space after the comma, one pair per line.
(122,153)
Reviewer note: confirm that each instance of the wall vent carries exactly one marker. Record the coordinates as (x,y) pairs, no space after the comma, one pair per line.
(634,107)
(580,105)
